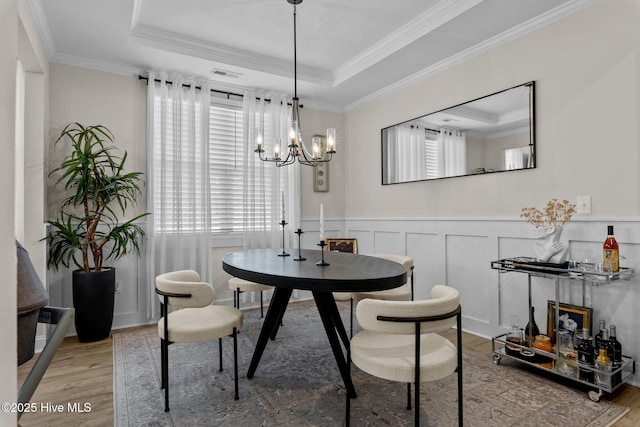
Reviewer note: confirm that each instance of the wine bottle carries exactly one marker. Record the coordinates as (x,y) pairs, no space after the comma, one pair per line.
(531,330)
(606,345)
(597,340)
(603,369)
(610,256)
(616,360)
(585,357)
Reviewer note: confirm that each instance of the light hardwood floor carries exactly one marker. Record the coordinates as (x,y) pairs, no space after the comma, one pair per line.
(83,373)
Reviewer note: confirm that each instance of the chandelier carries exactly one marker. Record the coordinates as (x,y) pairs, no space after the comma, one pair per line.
(321,151)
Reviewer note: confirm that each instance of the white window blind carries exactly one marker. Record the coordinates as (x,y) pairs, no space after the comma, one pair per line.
(226,160)
(225,165)
(431,154)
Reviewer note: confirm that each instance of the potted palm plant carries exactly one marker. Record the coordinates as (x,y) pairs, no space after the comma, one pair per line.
(87,227)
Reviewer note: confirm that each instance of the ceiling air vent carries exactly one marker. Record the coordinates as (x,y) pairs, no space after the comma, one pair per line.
(224,73)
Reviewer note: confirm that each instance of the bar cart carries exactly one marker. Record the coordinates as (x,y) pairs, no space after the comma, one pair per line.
(533,356)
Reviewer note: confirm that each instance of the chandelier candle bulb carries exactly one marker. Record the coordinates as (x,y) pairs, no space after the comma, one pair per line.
(259,141)
(292,134)
(276,151)
(316,148)
(331,140)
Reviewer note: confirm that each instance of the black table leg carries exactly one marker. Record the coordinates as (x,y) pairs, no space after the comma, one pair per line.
(277,306)
(274,333)
(333,326)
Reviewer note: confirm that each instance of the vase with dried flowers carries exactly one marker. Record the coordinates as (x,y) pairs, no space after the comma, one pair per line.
(548,224)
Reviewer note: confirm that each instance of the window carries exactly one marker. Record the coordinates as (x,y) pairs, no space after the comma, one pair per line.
(179,198)
(431,154)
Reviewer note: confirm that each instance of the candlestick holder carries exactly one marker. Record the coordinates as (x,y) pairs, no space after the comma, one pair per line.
(284,253)
(300,257)
(322,262)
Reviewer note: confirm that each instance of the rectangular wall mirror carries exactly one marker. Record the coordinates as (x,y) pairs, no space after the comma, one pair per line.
(494,133)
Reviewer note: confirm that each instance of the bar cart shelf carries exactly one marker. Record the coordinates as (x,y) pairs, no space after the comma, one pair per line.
(546,361)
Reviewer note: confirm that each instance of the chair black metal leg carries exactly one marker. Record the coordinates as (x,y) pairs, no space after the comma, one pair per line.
(416,410)
(459,338)
(164,353)
(412,297)
(351,318)
(235,362)
(348,411)
(409,396)
(220,352)
(416,364)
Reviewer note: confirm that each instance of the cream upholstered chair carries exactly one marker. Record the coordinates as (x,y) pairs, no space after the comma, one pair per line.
(401,293)
(239,285)
(196,321)
(400,341)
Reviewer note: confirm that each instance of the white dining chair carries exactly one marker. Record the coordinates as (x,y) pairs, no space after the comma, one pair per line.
(196,320)
(400,341)
(239,286)
(401,293)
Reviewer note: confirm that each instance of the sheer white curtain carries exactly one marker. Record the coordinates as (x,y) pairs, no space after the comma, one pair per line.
(406,153)
(178,193)
(452,144)
(265,186)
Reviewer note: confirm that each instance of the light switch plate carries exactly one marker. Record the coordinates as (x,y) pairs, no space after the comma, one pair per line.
(583,205)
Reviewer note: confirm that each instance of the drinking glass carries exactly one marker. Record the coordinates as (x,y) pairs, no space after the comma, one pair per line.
(565,348)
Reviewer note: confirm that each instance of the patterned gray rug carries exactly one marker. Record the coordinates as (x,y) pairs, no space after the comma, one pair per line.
(297,383)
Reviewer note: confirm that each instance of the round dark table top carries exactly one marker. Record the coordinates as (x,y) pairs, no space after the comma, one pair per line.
(345,273)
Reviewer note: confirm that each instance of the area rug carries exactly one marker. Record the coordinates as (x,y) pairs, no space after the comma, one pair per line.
(298,384)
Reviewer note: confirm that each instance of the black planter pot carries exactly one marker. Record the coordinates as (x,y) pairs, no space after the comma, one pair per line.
(93,298)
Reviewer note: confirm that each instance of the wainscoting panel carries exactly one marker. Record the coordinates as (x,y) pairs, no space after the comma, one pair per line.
(466,266)
(388,242)
(459,253)
(427,254)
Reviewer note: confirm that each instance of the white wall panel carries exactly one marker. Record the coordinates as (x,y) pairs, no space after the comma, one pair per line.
(459,253)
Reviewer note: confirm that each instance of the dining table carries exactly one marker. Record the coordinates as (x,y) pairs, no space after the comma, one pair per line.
(342,272)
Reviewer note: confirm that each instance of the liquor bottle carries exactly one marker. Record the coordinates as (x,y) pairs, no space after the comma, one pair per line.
(616,360)
(531,330)
(585,357)
(603,369)
(610,256)
(597,340)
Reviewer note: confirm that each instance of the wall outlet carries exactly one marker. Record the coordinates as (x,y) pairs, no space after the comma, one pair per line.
(118,286)
(583,205)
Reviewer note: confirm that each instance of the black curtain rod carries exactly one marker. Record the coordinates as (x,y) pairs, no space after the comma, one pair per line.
(228,94)
(431,130)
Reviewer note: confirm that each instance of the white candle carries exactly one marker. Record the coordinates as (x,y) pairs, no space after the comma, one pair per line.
(282,195)
(321,222)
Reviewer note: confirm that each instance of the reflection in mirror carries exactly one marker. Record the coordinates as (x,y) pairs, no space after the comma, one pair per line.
(491,134)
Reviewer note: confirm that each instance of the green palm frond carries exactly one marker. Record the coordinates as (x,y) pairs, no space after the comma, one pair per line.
(93,176)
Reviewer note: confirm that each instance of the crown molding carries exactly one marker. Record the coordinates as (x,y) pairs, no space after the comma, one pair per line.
(418,27)
(532,25)
(165,40)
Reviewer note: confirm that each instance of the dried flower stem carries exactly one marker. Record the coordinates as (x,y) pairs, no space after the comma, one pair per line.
(555,214)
